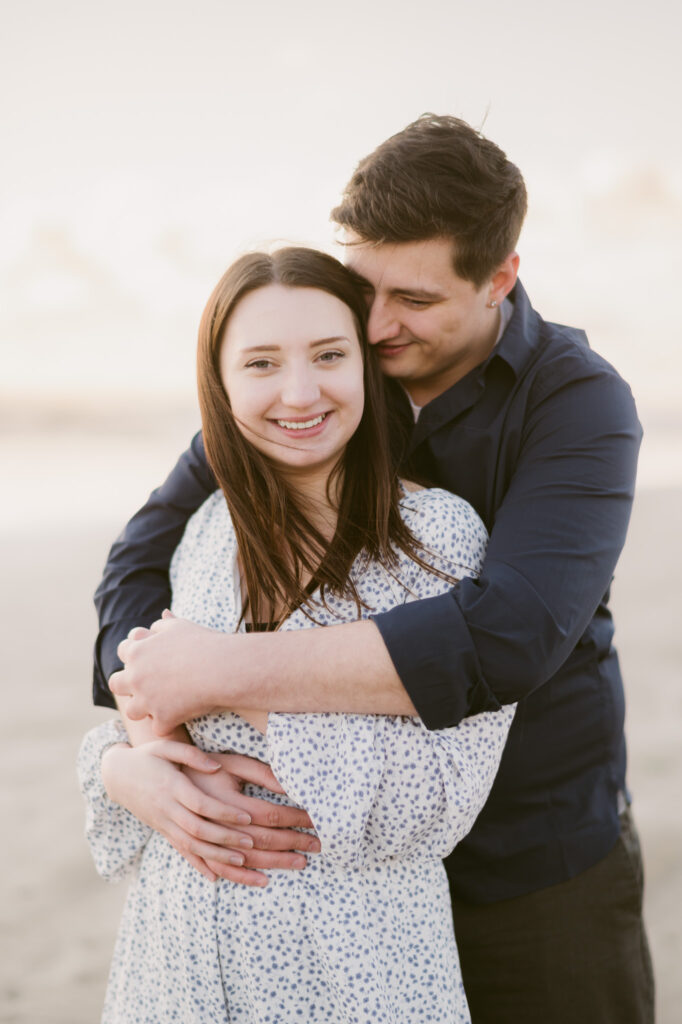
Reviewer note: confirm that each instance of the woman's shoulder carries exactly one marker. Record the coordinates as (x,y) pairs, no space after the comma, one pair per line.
(434,502)
(445,524)
(209,525)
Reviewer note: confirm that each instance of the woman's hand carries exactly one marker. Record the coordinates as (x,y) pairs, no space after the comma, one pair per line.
(190,798)
(275,843)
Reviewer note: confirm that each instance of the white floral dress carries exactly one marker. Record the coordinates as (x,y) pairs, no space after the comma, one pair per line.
(364,933)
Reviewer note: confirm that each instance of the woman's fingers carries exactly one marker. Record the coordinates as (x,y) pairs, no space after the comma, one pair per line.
(208,831)
(275,860)
(207,806)
(192,848)
(282,839)
(248,769)
(270,815)
(240,876)
(185,753)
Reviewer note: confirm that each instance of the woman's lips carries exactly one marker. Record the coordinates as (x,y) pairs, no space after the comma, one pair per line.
(303,427)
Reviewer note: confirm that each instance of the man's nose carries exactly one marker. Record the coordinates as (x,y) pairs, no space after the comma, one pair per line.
(382,324)
(301,388)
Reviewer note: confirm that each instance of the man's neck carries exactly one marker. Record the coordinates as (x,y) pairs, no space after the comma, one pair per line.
(421,392)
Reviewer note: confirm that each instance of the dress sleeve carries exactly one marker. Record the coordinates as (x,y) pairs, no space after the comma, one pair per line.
(381,787)
(135,588)
(116,837)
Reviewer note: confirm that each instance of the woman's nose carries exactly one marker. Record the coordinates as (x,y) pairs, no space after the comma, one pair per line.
(301,389)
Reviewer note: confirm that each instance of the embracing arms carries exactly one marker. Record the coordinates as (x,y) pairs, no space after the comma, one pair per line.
(554,544)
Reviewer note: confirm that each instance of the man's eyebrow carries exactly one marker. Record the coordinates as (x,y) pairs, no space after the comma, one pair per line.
(313,344)
(416,293)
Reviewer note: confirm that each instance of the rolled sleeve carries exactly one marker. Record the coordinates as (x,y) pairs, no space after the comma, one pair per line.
(135,588)
(431,649)
(554,544)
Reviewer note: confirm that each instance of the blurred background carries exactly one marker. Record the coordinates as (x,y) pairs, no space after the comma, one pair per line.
(145,145)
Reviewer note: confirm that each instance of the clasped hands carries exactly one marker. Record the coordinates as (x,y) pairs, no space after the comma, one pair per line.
(172,672)
(194,799)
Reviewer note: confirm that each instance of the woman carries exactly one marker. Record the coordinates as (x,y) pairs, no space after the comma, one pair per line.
(310,527)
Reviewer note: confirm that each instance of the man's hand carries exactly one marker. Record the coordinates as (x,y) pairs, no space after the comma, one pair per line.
(170,671)
(150,783)
(178,671)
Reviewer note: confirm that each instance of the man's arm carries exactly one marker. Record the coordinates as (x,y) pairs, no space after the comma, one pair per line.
(338,668)
(553,548)
(135,588)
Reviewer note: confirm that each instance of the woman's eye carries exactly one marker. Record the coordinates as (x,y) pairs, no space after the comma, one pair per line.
(330,357)
(259,364)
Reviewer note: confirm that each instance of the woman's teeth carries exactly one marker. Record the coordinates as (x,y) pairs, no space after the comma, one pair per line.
(305,425)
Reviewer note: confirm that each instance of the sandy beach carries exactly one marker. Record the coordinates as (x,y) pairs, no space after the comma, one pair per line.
(58,918)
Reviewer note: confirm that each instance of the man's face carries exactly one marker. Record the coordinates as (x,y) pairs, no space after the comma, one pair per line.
(429,325)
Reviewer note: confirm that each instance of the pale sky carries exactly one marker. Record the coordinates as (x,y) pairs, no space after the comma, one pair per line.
(146,143)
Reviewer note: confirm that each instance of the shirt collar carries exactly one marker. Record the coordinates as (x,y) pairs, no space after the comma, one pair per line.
(521,337)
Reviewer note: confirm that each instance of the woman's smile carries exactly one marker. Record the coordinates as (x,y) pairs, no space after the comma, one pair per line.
(292,368)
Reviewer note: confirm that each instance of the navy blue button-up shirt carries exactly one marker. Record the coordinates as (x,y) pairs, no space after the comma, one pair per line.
(542,439)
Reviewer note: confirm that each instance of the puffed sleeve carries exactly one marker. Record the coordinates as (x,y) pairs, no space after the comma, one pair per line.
(378,787)
(116,837)
(383,787)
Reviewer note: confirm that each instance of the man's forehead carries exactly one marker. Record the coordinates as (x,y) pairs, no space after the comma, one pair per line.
(402,266)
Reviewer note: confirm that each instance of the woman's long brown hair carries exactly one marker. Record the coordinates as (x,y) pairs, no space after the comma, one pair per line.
(278,544)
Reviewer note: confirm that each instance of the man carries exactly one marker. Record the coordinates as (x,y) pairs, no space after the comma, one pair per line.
(540,434)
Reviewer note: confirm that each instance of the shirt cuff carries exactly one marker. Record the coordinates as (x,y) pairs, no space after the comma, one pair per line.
(431,649)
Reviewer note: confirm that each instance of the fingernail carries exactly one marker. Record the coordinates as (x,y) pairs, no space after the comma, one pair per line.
(243,819)
(300,863)
(246,842)
(235,859)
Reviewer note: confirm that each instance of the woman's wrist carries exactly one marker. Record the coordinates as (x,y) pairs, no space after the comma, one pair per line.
(109,759)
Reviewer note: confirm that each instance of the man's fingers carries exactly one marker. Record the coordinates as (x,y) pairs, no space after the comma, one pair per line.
(123,649)
(118,684)
(138,633)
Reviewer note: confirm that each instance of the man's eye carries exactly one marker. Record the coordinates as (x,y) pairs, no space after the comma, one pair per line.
(416,303)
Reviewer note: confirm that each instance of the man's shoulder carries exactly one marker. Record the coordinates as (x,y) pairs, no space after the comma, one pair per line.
(563,355)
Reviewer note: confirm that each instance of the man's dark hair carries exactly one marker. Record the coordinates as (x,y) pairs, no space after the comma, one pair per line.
(439,178)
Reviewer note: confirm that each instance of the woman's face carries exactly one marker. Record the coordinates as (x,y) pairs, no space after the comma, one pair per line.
(292,367)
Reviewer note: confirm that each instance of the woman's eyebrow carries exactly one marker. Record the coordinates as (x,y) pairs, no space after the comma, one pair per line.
(313,344)
(328,341)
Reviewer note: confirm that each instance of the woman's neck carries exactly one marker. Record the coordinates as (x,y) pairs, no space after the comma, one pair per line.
(319,501)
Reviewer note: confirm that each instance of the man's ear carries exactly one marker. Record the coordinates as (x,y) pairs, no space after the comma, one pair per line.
(504,279)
